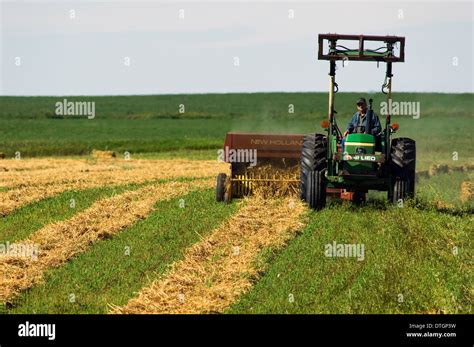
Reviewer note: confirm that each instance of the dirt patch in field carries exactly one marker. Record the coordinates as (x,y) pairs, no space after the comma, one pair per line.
(224,265)
(57,243)
(46,181)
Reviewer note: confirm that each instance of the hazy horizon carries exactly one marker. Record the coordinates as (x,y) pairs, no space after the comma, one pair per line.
(225,93)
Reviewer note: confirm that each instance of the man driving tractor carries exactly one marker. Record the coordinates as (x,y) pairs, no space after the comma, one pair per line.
(364,122)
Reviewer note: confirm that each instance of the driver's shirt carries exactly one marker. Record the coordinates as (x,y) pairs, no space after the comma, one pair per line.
(358,119)
(361,128)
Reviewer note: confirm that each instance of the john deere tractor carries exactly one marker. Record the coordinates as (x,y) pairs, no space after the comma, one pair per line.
(361,161)
(330,164)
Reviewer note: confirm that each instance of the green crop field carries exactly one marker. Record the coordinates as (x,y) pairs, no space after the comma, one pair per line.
(138,226)
(408,264)
(151,124)
(154,244)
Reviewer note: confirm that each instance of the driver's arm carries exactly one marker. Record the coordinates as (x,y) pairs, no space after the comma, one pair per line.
(352,124)
(376,127)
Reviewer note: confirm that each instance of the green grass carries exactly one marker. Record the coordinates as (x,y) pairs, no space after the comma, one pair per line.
(442,187)
(190,154)
(445,187)
(28,219)
(207,106)
(408,251)
(145,124)
(104,274)
(33,137)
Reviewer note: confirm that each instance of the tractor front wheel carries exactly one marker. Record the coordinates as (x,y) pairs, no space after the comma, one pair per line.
(316,190)
(358,198)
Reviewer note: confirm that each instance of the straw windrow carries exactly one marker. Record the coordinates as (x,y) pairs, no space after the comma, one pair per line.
(467,191)
(34,186)
(217,270)
(59,242)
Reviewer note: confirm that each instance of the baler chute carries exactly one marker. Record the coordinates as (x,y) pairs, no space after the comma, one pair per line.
(268,161)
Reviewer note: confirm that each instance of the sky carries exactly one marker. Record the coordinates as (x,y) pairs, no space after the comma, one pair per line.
(175,47)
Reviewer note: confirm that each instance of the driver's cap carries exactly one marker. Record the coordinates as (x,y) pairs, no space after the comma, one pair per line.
(360,101)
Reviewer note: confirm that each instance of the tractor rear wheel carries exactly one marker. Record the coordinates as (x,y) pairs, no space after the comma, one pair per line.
(313,158)
(316,190)
(403,164)
(400,191)
(220,186)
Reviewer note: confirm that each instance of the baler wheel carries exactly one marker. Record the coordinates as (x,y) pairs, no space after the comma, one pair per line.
(220,186)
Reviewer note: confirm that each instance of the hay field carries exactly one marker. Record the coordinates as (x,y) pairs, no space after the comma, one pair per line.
(100,233)
(148,237)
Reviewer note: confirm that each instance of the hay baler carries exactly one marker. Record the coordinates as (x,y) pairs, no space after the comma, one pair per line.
(330,163)
(277,163)
(277,167)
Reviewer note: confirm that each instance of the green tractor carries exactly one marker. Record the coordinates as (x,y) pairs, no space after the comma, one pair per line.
(361,161)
